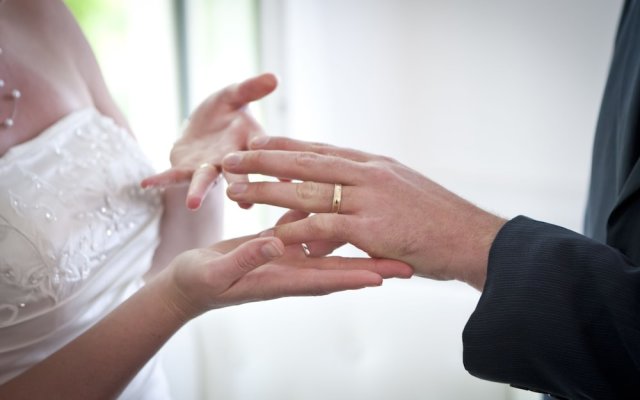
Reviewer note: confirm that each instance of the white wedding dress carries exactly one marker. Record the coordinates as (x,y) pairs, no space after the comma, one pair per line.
(77,233)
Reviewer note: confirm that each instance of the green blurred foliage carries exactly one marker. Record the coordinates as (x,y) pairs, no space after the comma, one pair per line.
(82,8)
(100,17)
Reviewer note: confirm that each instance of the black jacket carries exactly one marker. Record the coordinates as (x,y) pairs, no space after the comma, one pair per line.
(560,312)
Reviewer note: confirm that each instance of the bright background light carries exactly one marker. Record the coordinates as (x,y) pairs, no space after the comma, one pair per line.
(497,100)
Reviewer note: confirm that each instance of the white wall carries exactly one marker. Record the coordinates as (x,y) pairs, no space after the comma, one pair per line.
(495,99)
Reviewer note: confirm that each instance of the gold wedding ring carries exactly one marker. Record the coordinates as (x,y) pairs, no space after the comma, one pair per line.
(337,198)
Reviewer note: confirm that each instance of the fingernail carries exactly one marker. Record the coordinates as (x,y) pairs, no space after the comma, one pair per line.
(259,141)
(270,250)
(237,188)
(267,233)
(193,203)
(232,160)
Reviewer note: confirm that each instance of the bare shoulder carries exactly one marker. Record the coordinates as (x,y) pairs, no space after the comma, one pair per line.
(47,57)
(43,23)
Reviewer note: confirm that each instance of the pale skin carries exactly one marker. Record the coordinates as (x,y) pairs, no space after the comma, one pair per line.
(47,57)
(387,209)
(100,362)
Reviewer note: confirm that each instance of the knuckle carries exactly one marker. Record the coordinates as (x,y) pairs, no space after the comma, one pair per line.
(256,189)
(306,159)
(327,226)
(320,147)
(255,157)
(386,159)
(317,224)
(379,172)
(246,261)
(307,190)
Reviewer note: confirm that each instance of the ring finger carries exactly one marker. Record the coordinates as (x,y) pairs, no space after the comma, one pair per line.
(204,177)
(312,197)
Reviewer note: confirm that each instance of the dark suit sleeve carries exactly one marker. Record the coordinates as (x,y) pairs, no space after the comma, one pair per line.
(560,314)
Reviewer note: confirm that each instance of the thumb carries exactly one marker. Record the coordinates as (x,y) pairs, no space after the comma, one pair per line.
(251,89)
(247,257)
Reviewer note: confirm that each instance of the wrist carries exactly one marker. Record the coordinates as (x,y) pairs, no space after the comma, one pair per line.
(173,300)
(483,229)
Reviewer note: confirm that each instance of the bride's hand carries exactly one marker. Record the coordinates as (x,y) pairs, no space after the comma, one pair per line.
(218,126)
(261,268)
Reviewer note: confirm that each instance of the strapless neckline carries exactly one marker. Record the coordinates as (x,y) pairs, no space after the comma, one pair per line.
(61,125)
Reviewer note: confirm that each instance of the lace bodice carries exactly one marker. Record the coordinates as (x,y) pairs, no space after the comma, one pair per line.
(76,233)
(68,203)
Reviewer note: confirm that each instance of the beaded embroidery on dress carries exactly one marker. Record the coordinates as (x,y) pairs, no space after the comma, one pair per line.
(65,207)
(77,233)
